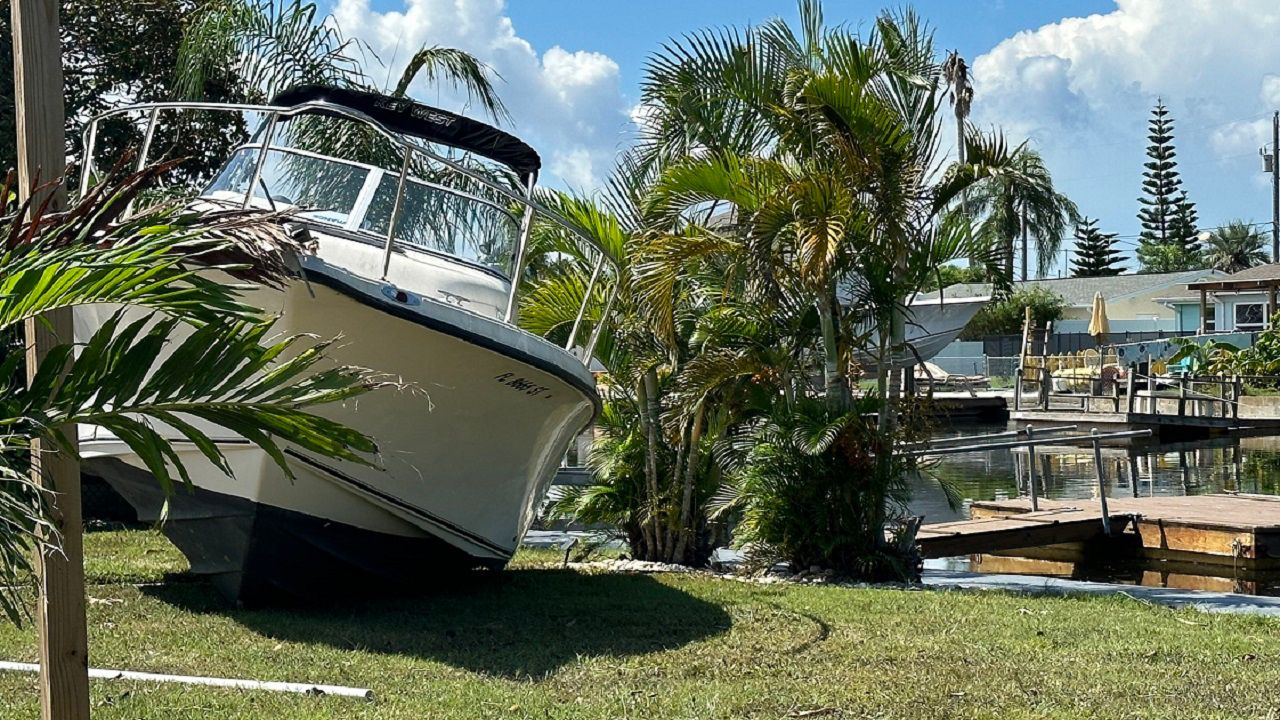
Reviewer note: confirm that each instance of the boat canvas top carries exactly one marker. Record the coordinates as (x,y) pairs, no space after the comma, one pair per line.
(404,115)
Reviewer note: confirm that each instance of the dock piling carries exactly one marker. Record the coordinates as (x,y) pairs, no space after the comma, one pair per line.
(1131,386)
(1102,485)
(1031,468)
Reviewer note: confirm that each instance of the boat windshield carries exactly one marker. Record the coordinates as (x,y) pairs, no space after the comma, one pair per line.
(361,199)
(327,190)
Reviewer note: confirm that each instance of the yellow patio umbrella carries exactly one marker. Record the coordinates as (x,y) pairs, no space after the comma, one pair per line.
(1098,325)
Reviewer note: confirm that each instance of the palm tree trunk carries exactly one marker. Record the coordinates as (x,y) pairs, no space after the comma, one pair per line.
(836,387)
(1023,223)
(651,411)
(690,475)
(882,376)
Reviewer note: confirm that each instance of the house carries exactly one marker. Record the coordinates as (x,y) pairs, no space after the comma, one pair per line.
(1145,302)
(1241,302)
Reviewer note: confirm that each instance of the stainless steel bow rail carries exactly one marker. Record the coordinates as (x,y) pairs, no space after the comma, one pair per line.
(410,147)
(1029,437)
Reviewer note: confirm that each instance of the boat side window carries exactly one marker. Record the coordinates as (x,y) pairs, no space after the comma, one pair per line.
(440,220)
(324,189)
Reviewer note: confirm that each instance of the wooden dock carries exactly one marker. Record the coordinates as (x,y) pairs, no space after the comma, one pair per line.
(1013,531)
(1238,529)
(1166,425)
(979,405)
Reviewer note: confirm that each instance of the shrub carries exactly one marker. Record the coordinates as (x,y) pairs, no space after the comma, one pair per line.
(1005,316)
(814,488)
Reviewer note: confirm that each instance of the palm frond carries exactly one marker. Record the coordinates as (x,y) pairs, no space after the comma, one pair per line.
(267,45)
(461,70)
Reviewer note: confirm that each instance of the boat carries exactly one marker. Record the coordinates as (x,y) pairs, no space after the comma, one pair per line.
(931,325)
(412,267)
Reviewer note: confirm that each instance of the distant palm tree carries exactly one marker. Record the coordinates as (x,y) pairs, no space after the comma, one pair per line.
(1023,202)
(956,74)
(1234,247)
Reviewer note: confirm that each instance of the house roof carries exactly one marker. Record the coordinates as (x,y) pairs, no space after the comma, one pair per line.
(1259,277)
(1079,292)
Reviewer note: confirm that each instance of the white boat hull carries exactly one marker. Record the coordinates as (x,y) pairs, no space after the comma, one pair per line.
(468,449)
(931,326)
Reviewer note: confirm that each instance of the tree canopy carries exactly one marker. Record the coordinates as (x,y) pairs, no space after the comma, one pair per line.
(1168,240)
(1236,246)
(1096,252)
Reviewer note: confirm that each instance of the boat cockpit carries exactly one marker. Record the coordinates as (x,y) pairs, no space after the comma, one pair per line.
(416,198)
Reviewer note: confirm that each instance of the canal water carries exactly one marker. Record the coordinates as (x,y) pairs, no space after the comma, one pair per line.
(1141,468)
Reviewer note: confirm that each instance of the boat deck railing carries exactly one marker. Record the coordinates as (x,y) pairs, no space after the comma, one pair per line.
(590,250)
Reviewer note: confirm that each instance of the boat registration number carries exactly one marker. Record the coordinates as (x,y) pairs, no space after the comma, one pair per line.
(514,382)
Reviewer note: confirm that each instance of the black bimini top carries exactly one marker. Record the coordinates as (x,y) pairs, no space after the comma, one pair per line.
(405,116)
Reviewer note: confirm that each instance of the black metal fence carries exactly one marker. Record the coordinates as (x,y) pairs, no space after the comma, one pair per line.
(1011,345)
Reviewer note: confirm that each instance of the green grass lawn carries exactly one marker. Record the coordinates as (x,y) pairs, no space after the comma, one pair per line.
(540,642)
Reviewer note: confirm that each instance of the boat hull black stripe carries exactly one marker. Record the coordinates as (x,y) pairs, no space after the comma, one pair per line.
(462,334)
(401,504)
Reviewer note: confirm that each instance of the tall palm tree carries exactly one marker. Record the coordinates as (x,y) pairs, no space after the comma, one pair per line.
(956,73)
(1021,202)
(1234,247)
(218,370)
(652,461)
(833,177)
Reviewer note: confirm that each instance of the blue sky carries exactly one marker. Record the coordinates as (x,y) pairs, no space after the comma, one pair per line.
(1076,78)
(629,31)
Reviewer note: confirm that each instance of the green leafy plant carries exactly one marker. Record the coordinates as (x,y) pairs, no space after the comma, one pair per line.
(184,350)
(1209,357)
(1004,316)
(811,487)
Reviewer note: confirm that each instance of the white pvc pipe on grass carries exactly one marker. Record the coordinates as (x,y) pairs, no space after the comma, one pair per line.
(300,688)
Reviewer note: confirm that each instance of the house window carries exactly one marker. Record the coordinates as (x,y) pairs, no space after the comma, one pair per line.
(1250,316)
(1211,317)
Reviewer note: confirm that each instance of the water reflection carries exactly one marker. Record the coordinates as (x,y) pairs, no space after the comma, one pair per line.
(1139,468)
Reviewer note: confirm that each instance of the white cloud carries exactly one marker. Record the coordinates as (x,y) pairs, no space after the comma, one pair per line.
(1082,90)
(567,104)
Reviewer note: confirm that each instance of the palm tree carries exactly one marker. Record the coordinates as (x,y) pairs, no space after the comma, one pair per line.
(262,47)
(797,178)
(1234,247)
(217,369)
(1022,202)
(652,461)
(832,173)
(956,73)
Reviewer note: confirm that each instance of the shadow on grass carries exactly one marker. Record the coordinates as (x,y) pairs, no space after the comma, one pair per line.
(514,624)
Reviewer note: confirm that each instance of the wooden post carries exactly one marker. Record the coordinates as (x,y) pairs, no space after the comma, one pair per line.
(1204,312)
(1153,403)
(1131,386)
(1182,395)
(1031,469)
(1017,389)
(1102,482)
(1046,386)
(1133,472)
(60,619)
(1026,335)
(1236,392)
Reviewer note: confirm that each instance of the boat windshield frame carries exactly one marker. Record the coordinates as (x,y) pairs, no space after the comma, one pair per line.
(358,213)
(410,148)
